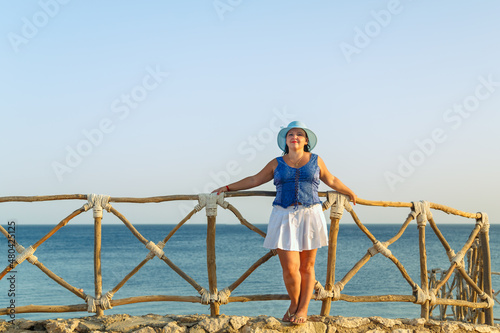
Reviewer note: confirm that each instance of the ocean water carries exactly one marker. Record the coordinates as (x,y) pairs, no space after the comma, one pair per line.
(69,254)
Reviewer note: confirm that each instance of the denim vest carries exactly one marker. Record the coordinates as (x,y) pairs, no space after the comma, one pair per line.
(297,185)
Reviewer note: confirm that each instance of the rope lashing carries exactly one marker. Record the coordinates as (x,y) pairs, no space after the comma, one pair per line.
(427,207)
(97,202)
(210,201)
(380,248)
(224,296)
(205,296)
(321,294)
(329,200)
(91,304)
(104,302)
(338,202)
(221,202)
(451,254)
(458,259)
(476,244)
(220,297)
(484,222)
(487,298)
(423,297)
(25,254)
(423,211)
(156,250)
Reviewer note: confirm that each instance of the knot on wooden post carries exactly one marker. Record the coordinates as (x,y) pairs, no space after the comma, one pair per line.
(25,254)
(451,254)
(380,248)
(205,296)
(210,202)
(423,211)
(458,259)
(330,199)
(321,294)
(220,297)
(97,202)
(338,202)
(104,302)
(223,296)
(221,202)
(488,299)
(484,222)
(156,250)
(423,297)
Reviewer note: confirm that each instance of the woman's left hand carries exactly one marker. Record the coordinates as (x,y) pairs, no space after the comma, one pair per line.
(353,197)
(220,190)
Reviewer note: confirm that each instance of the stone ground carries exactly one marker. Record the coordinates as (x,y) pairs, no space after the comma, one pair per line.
(124,323)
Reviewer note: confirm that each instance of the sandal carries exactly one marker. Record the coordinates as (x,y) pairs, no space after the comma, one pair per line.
(288,317)
(298,320)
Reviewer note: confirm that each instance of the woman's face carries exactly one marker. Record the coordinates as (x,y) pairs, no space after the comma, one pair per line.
(296,138)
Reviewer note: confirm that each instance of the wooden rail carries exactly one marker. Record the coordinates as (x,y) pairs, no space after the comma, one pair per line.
(431,292)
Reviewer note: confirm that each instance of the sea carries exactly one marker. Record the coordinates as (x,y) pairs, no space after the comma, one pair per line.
(69,253)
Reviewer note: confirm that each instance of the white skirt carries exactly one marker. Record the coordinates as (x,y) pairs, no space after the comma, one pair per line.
(296,228)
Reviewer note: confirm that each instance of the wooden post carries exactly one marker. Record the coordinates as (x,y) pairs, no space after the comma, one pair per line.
(443,308)
(487,286)
(475,271)
(424,280)
(332,258)
(211,264)
(97,263)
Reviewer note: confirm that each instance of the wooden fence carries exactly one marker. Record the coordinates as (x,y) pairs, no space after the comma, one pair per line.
(431,291)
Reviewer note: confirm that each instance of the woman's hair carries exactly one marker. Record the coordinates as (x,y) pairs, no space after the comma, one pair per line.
(307,148)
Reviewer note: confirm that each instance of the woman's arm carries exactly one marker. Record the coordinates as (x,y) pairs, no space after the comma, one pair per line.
(265,175)
(333,182)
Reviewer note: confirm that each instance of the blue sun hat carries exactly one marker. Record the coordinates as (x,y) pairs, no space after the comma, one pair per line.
(296,124)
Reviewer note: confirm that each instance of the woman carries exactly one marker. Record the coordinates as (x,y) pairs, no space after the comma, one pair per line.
(297,226)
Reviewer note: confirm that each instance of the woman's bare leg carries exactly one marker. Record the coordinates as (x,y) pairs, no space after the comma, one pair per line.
(290,264)
(307,278)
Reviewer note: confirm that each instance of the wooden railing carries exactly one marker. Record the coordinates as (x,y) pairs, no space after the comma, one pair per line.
(427,294)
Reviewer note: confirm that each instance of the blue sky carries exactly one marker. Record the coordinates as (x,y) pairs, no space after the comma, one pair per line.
(130,98)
